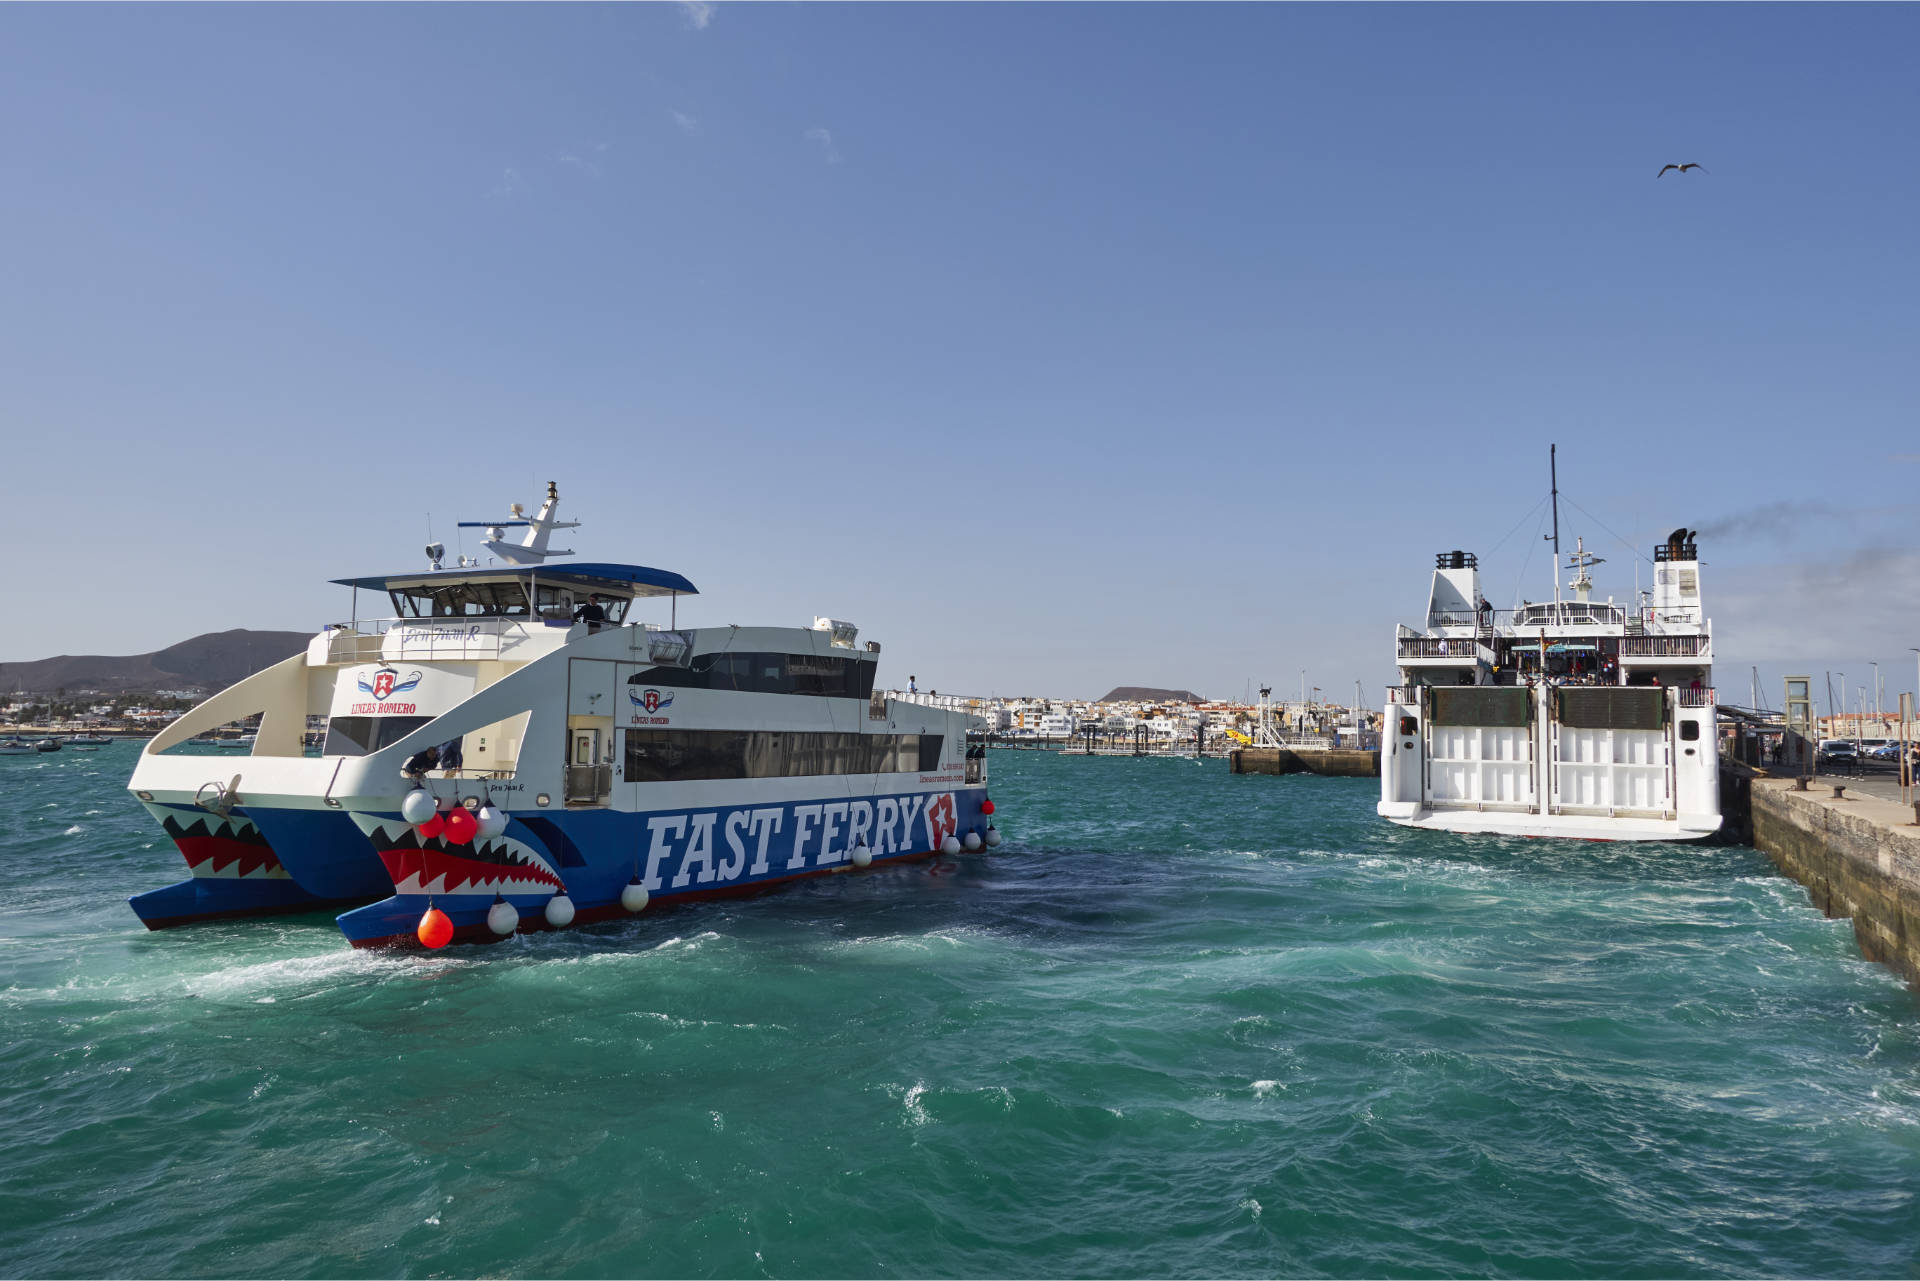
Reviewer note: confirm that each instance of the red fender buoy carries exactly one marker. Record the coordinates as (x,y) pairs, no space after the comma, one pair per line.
(436,929)
(459,825)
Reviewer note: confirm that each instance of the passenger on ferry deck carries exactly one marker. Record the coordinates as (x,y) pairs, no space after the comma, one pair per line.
(590,613)
(420,762)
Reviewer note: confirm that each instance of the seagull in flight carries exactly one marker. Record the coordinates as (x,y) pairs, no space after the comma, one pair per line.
(1681,168)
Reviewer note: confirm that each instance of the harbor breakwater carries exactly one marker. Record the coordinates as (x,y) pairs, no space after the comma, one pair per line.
(1335,762)
(1857,855)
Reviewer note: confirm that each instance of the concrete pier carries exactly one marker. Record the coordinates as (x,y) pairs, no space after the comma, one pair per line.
(1340,762)
(1858,856)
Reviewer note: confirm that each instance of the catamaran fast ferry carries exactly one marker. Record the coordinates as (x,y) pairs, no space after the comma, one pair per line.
(1572,718)
(581,767)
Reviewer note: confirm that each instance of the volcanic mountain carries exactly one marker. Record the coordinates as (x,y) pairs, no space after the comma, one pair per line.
(1144,694)
(206,663)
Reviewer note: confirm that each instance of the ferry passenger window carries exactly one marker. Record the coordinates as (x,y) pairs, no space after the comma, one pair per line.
(823,677)
(362,735)
(1690,731)
(766,673)
(663,756)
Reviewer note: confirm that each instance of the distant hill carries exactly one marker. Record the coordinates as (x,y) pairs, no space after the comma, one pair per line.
(207,663)
(1142,694)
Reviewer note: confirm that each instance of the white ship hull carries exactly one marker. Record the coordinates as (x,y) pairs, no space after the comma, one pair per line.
(1576,719)
(1572,827)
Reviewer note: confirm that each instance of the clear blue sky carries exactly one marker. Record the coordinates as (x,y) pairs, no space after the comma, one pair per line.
(1058,346)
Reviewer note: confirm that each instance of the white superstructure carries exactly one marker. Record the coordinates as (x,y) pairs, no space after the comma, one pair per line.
(1572,717)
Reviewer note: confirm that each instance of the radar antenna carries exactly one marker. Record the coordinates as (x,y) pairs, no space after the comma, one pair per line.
(531,549)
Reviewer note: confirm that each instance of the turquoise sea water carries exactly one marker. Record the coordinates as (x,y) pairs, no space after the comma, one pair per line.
(1183,1024)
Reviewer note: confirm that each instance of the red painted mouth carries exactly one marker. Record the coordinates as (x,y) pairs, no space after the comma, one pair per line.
(213,855)
(463,875)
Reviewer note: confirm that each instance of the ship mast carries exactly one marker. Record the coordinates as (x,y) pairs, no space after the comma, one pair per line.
(1553,476)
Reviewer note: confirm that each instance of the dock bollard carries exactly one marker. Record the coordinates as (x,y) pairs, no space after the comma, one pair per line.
(1839,791)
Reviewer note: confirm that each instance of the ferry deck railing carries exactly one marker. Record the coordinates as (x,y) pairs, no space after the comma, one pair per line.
(469,639)
(421,639)
(1662,646)
(1460,647)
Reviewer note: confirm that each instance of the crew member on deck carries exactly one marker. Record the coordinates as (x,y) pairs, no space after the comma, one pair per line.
(420,762)
(591,613)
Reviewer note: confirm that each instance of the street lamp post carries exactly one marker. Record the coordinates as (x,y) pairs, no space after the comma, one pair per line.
(1916,674)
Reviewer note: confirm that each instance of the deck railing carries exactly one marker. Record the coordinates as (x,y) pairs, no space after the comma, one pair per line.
(1662,646)
(365,640)
(1695,697)
(1460,647)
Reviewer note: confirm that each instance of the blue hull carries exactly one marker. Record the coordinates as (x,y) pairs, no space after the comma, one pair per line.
(203,898)
(237,872)
(324,852)
(677,855)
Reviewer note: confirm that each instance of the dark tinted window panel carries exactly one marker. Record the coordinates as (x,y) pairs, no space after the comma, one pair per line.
(680,756)
(671,755)
(828,676)
(669,678)
(824,677)
(361,735)
(1612,707)
(1494,706)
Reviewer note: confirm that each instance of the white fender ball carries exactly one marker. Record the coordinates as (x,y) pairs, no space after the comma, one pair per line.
(634,897)
(492,821)
(503,918)
(559,911)
(950,846)
(862,856)
(972,842)
(418,806)
(993,837)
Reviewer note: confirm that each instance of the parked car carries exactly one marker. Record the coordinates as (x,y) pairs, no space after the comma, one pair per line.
(1886,752)
(1839,751)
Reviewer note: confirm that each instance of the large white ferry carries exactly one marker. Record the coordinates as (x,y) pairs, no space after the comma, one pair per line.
(583,764)
(1572,718)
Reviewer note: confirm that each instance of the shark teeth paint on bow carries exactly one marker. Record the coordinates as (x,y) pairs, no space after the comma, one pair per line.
(226,847)
(433,871)
(497,866)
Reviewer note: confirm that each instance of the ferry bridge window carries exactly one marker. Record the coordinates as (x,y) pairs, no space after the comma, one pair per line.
(820,676)
(674,756)
(362,735)
(507,599)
